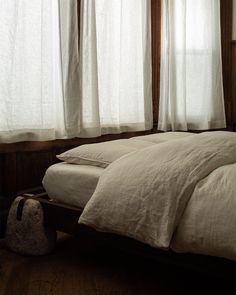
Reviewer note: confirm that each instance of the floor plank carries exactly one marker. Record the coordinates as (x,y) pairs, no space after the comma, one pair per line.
(79,266)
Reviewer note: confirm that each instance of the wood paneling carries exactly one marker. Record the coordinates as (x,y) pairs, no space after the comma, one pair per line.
(33,146)
(23,165)
(78,13)
(9,174)
(226,37)
(156,53)
(1,174)
(31,168)
(233,89)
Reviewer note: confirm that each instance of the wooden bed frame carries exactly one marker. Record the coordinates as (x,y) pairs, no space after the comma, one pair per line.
(64,218)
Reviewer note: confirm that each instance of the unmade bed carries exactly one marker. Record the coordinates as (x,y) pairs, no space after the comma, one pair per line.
(73,184)
(170,191)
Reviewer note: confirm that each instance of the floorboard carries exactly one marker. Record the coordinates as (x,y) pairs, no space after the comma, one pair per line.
(80,266)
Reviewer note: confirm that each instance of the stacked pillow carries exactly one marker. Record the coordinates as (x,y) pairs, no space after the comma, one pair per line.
(104,153)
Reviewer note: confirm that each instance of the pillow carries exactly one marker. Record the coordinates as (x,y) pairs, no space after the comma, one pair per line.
(164,136)
(104,153)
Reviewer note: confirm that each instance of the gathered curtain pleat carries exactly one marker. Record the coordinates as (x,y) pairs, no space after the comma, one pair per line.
(39,70)
(50,88)
(191,95)
(115,72)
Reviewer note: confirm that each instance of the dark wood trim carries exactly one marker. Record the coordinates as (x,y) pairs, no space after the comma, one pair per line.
(233,83)
(226,39)
(156,55)
(58,216)
(23,164)
(32,146)
(10,174)
(78,13)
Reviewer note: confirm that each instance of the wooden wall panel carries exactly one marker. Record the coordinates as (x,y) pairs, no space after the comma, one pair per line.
(1,175)
(23,164)
(156,54)
(226,37)
(30,168)
(24,170)
(233,88)
(9,174)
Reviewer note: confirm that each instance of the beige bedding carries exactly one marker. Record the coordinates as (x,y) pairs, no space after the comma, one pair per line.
(208,225)
(104,153)
(74,184)
(178,194)
(71,184)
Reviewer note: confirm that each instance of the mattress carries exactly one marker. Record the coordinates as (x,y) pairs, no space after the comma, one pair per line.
(71,184)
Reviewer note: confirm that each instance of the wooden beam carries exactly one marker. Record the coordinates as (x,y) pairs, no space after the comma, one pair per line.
(233,84)
(226,38)
(31,146)
(156,55)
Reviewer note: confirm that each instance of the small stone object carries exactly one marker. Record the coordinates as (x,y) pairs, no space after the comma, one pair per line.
(25,233)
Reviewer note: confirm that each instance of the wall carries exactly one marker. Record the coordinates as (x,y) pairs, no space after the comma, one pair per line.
(234,19)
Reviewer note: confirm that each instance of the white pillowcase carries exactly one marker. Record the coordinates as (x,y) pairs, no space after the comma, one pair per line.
(104,153)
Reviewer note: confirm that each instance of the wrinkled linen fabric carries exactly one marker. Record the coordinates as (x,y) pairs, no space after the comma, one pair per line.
(143,195)
(208,223)
(104,153)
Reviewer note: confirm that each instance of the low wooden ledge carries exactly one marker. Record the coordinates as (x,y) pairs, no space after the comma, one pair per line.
(31,146)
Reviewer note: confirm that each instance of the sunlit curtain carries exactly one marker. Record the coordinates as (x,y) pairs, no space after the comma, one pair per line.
(191,67)
(50,88)
(39,70)
(115,54)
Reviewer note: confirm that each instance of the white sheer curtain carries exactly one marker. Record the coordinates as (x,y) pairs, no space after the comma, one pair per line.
(115,56)
(39,70)
(191,68)
(45,94)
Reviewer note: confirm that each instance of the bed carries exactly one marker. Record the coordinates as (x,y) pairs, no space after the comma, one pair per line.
(73,181)
(71,184)
(94,187)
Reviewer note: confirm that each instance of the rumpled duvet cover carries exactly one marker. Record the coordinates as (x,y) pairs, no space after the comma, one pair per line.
(179,194)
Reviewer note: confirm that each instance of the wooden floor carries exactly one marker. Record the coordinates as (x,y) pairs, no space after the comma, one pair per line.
(80,267)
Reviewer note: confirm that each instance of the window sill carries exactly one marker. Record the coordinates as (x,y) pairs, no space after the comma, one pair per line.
(31,146)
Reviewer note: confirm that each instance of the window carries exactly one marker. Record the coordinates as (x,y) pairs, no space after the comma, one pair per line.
(50,88)
(191,66)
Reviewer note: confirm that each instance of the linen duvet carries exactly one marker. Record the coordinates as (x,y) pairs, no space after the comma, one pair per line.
(179,194)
